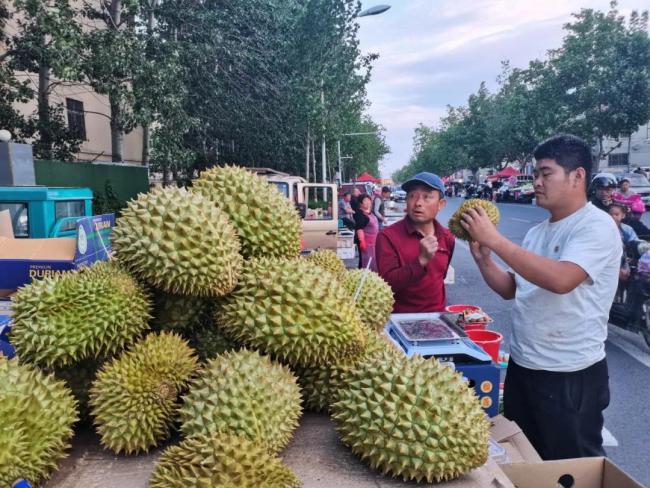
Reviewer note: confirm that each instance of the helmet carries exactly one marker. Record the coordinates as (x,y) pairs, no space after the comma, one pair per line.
(604,180)
(637,206)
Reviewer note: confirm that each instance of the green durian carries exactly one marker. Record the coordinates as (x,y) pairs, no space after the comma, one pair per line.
(79,378)
(375,301)
(37,413)
(267,222)
(319,384)
(209,341)
(293,311)
(454,222)
(178,242)
(220,461)
(84,314)
(329,261)
(134,398)
(179,312)
(244,394)
(412,418)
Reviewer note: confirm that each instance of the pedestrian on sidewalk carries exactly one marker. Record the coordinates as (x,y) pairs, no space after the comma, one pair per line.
(366,229)
(379,206)
(563,280)
(413,254)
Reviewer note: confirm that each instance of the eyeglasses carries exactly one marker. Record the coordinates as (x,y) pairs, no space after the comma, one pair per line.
(427,197)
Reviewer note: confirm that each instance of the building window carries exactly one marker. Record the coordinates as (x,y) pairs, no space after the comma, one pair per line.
(619,159)
(76,119)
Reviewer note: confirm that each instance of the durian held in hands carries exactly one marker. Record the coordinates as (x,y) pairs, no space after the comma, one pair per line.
(454,222)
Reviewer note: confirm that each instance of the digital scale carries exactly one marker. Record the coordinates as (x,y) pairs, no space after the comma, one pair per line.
(437,335)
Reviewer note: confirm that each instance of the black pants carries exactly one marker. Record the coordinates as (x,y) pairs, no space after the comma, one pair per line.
(560,413)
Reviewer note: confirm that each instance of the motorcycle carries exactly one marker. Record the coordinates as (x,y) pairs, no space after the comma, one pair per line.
(631,308)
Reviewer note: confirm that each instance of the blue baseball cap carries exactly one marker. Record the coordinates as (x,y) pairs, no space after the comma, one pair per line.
(428,179)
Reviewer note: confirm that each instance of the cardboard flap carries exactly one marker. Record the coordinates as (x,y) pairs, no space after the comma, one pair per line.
(502,428)
(59,249)
(6,229)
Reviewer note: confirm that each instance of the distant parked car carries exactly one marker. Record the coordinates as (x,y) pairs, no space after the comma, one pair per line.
(399,195)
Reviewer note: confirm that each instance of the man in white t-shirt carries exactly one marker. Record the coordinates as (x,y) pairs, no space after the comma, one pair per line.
(563,279)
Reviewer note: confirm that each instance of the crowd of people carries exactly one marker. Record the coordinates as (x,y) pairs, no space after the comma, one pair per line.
(366,216)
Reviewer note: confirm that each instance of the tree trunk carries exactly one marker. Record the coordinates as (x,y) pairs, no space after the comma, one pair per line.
(117,133)
(45,142)
(307,156)
(146,143)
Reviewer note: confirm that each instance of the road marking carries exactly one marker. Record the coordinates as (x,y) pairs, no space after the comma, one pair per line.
(521,220)
(608,439)
(630,342)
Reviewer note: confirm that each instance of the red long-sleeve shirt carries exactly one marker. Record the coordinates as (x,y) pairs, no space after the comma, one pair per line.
(416,289)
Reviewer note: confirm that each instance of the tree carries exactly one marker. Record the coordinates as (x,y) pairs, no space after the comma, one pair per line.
(365,151)
(46,44)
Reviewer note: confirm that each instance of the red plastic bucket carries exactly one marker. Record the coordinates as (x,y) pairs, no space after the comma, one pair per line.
(488,340)
(475,326)
(462,308)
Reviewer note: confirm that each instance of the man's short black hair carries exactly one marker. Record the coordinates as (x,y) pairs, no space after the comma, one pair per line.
(385,189)
(347,194)
(568,151)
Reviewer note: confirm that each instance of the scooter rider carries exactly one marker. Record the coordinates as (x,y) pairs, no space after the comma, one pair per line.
(602,186)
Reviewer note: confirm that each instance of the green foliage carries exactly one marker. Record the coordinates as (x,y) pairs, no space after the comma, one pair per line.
(596,85)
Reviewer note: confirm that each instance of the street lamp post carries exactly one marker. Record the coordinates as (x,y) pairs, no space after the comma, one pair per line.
(375,10)
(338,146)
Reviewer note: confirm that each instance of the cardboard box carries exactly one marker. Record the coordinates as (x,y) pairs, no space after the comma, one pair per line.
(22,260)
(509,436)
(594,472)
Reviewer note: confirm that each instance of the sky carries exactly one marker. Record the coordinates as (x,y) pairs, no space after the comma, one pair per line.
(434,53)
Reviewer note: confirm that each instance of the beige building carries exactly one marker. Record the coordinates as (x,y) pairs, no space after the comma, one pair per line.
(86,112)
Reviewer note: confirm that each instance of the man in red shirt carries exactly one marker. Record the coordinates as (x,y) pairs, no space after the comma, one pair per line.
(413,255)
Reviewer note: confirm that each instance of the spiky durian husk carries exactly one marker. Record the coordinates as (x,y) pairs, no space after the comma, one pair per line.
(37,413)
(84,314)
(318,385)
(375,302)
(220,461)
(329,261)
(79,378)
(267,222)
(292,310)
(412,418)
(454,222)
(209,341)
(245,394)
(179,242)
(134,398)
(179,312)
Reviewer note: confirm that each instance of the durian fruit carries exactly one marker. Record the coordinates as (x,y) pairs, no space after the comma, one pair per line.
(220,461)
(209,341)
(318,385)
(84,314)
(267,222)
(329,261)
(179,312)
(245,394)
(454,222)
(79,378)
(292,310)
(37,413)
(413,418)
(178,242)
(375,301)
(135,397)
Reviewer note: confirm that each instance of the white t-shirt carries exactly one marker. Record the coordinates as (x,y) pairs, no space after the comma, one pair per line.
(568,332)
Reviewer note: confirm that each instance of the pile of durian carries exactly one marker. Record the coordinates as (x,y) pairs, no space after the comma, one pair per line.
(209,325)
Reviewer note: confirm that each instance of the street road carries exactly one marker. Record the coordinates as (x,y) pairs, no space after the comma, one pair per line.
(627,420)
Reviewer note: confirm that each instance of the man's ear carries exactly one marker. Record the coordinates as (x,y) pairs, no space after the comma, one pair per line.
(442,204)
(580,176)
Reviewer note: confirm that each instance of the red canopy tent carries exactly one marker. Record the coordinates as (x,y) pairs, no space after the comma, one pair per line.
(367,177)
(506,172)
